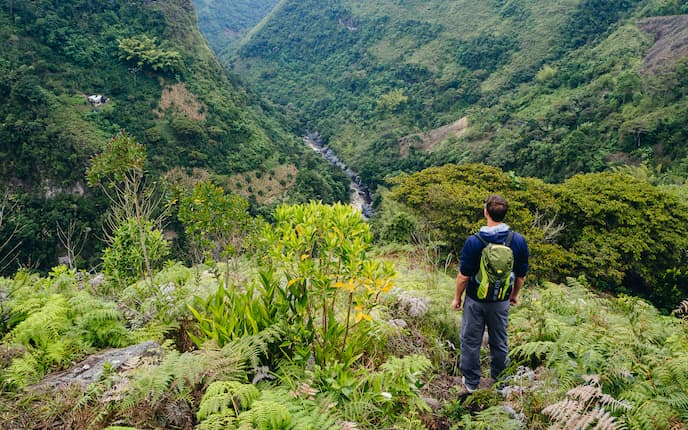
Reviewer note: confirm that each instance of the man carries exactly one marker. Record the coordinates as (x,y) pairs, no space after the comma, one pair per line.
(478,313)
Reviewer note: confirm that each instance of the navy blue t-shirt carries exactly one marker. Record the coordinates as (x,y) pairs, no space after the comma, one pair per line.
(469,263)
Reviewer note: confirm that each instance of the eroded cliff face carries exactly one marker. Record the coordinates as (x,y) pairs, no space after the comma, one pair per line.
(671,41)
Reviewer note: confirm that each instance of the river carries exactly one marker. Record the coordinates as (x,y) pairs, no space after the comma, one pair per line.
(360,195)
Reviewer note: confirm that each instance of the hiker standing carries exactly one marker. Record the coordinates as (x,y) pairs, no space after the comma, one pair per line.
(493,267)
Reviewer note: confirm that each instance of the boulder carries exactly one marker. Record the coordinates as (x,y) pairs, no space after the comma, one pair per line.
(90,369)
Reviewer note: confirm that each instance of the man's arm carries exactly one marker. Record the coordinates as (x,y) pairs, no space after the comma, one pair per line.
(461,284)
(518,284)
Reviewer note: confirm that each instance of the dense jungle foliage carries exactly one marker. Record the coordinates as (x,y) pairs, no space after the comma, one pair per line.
(315,327)
(163,85)
(549,88)
(225,22)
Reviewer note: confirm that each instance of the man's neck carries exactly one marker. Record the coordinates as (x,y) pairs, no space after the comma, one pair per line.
(491,223)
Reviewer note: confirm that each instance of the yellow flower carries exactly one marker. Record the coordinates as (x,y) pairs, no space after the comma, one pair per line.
(360,315)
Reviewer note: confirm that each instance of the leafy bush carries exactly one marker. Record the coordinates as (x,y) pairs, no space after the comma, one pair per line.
(331,284)
(144,51)
(624,233)
(123,260)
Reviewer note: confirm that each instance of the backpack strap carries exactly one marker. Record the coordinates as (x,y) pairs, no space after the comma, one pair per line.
(508,238)
(507,242)
(485,243)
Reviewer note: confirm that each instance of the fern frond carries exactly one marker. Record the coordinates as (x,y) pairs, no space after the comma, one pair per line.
(585,406)
(222,396)
(532,351)
(359,411)
(494,417)
(308,412)
(651,415)
(45,325)
(218,422)
(563,410)
(266,415)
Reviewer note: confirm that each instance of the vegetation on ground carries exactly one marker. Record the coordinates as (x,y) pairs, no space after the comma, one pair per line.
(319,319)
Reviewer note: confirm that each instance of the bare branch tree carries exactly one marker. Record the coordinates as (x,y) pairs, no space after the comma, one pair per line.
(550,228)
(72,240)
(7,206)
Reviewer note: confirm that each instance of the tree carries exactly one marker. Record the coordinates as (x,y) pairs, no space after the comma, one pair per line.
(216,221)
(72,239)
(119,172)
(143,51)
(626,234)
(7,234)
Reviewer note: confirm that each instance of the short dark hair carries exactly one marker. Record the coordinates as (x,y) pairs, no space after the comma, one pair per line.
(496,207)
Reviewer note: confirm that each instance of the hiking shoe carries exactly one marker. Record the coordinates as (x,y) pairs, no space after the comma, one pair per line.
(466,386)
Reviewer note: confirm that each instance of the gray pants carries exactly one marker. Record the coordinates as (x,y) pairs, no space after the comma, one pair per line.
(477,315)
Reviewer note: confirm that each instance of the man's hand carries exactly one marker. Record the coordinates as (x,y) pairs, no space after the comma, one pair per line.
(461,284)
(518,284)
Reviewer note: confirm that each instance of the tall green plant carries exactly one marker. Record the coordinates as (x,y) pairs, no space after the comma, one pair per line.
(218,222)
(232,313)
(120,172)
(331,283)
(124,260)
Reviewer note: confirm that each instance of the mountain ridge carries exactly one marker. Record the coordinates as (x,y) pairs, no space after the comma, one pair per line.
(160,82)
(366,75)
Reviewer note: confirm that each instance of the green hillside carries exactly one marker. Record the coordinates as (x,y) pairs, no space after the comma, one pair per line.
(163,85)
(225,22)
(548,88)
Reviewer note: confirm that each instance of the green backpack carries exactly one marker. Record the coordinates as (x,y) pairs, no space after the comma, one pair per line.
(496,263)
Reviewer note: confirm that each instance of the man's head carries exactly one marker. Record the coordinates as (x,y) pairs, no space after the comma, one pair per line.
(496,207)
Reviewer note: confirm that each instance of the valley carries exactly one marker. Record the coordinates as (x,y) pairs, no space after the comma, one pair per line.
(252,214)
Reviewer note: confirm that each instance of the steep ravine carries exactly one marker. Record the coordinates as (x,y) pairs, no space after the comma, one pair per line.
(360,195)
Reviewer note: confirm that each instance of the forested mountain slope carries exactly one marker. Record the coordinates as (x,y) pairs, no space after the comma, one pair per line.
(225,22)
(161,83)
(548,88)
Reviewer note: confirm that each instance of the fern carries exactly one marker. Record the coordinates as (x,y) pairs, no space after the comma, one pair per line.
(266,415)
(534,352)
(98,323)
(586,406)
(494,417)
(218,422)
(663,398)
(308,410)
(222,397)
(45,325)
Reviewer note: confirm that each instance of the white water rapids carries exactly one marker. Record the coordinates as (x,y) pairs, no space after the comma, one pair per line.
(360,197)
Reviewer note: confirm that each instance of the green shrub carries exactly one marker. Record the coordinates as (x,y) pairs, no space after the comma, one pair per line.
(123,260)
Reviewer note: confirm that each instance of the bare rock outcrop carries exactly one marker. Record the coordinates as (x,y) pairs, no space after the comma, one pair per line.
(90,369)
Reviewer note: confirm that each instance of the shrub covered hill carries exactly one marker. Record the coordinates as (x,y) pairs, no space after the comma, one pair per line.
(160,82)
(544,88)
(225,22)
